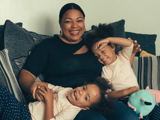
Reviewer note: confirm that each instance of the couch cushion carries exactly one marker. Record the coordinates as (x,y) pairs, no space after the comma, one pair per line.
(147,71)
(2,35)
(7,77)
(19,42)
(146,41)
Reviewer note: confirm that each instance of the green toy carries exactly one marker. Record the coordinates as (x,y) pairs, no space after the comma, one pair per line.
(142,102)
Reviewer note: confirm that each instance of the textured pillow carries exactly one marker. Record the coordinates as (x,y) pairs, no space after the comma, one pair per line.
(7,77)
(19,42)
(119,31)
(2,37)
(147,71)
(145,54)
(146,41)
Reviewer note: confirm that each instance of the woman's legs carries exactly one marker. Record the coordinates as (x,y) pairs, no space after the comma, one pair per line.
(154,114)
(89,115)
(122,112)
(11,108)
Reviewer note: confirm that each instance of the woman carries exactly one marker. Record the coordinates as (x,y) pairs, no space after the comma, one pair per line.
(64,60)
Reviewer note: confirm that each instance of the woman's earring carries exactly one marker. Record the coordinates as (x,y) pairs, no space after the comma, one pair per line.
(60,32)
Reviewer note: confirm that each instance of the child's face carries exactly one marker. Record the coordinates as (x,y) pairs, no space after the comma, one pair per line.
(106,55)
(84,96)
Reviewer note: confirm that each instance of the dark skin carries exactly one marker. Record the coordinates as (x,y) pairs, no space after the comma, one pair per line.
(72,26)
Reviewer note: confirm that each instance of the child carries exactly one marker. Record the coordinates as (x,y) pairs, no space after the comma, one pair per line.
(59,102)
(117,68)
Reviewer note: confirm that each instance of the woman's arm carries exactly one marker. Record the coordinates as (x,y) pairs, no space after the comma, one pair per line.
(122,93)
(27,82)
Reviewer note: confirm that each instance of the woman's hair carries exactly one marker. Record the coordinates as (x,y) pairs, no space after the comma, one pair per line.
(69,6)
(98,33)
(105,105)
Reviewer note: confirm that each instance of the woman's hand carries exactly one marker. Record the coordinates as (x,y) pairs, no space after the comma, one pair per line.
(34,90)
(46,93)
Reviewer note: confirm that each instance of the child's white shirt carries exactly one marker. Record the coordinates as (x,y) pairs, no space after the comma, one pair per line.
(120,73)
(63,109)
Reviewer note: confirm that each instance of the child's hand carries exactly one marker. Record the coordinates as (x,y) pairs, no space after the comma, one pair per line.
(100,44)
(34,91)
(136,47)
(47,94)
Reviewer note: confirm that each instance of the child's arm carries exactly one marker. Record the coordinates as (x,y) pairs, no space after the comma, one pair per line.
(122,93)
(115,40)
(136,48)
(48,99)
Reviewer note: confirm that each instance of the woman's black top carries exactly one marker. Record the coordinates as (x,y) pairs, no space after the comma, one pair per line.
(56,60)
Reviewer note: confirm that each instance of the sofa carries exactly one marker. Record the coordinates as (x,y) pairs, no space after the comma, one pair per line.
(16,43)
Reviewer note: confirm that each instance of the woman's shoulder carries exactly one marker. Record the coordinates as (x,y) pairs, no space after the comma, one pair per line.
(50,41)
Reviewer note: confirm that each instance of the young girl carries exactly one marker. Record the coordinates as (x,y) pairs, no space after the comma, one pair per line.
(117,68)
(59,103)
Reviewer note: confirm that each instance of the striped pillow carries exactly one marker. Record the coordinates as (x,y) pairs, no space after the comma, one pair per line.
(147,71)
(7,77)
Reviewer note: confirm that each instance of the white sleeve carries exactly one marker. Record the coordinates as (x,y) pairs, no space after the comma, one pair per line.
(67,114)
(127,51)
(107,74)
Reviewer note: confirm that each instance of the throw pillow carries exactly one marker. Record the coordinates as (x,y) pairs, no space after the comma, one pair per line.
(119,31)
(147,71)
(145,54)
(146,41)
(2,37)
(7,77)
(19,42)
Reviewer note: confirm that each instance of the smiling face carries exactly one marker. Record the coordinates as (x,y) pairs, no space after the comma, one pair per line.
(84,96)
(72,25)
(105,55)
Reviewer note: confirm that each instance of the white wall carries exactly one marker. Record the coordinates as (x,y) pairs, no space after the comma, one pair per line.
(41,16)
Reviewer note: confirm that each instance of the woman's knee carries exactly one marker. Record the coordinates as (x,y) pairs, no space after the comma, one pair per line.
(89,115)
(122,112)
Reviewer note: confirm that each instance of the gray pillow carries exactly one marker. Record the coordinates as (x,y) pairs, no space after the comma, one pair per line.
(2,37)
(19,42)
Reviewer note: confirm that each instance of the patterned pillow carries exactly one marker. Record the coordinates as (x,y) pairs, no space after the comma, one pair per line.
(147,71)
(2,36)
(19,42)
(7,77)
